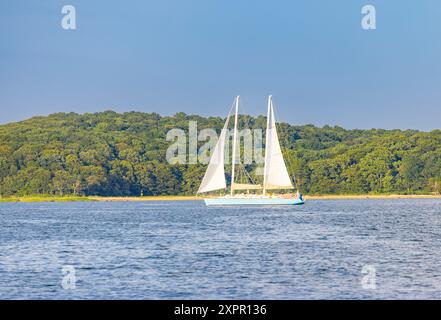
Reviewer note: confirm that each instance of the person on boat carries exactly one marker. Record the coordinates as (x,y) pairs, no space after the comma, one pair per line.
(299,195)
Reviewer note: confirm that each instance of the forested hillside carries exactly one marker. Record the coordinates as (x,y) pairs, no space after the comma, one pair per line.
(125,154)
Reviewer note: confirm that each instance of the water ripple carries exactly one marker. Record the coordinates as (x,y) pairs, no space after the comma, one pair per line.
(183,250)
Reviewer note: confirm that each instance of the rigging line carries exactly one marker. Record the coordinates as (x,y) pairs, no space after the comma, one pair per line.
(239,164)
(242,171)
(229,113)
(246,119)
(249,176)
(234,149)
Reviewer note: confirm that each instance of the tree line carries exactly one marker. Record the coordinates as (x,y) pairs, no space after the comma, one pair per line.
(113,154)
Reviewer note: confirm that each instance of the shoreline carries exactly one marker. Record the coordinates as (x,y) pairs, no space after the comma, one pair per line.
(306,197)
(372,196)
(200,198)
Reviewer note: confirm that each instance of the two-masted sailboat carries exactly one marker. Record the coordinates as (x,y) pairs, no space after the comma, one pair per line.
(275,174)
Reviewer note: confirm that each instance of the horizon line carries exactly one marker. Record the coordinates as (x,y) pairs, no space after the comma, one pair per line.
(212,116)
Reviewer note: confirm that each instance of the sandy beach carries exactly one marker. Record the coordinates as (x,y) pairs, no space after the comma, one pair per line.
(193,198)
(306,197)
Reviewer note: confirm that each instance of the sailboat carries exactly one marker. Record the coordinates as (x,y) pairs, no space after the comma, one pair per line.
(275,174)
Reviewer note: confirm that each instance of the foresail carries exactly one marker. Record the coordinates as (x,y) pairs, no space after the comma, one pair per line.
(276,174)
(214,178)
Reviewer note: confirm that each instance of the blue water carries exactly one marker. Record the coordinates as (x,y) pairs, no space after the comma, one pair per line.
(183,250)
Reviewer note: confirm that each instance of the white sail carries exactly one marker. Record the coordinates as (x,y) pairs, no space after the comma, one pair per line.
(233,160)
(275,173)
(214,178)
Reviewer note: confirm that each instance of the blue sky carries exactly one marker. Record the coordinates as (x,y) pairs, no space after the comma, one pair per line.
(196,55)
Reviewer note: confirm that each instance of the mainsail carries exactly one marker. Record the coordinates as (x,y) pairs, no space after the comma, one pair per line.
(214,178)
(275,173)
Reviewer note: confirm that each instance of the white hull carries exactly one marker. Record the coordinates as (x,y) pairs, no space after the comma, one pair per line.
(235,201)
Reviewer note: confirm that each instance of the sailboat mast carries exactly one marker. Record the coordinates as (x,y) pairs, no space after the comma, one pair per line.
(233,165)
(266,144)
